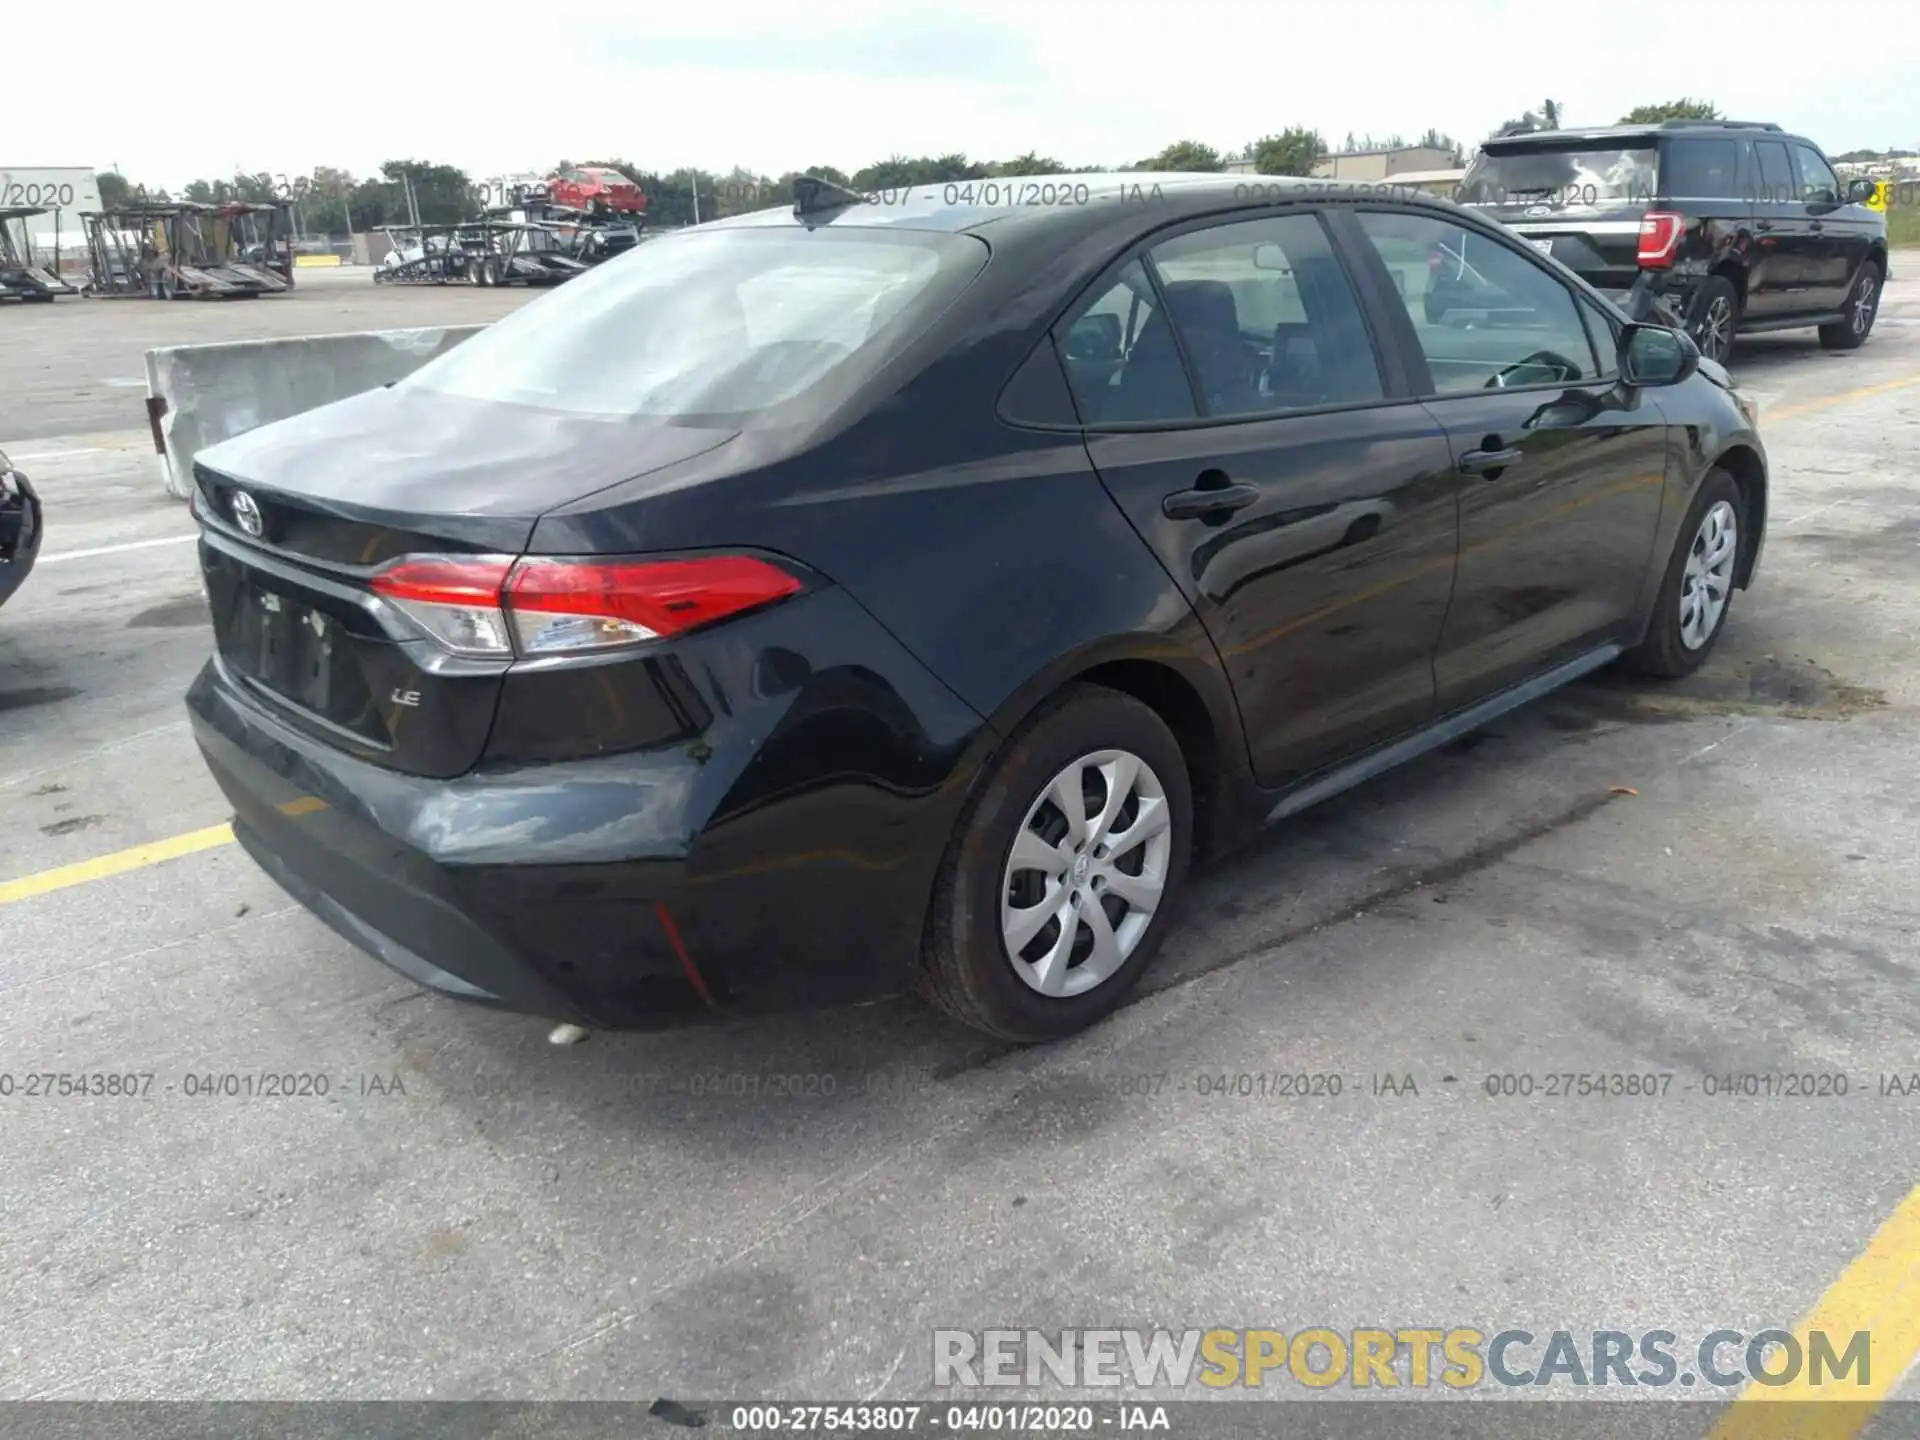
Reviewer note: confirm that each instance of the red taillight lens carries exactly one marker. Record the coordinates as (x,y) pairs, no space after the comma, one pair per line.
(1660,232)
(489,605)
(560,605)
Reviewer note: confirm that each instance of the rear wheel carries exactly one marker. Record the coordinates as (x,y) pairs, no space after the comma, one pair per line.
(1863,304)
(1697,592)
(1057,885)
(1713,317)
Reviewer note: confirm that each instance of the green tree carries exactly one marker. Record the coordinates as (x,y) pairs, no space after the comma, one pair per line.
(1029,163)
(114,188)
(443,194)
(1682,109)
(1184,155)
(896,172)
(1294,151)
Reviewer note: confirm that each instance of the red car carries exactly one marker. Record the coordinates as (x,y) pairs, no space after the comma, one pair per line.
(594,188)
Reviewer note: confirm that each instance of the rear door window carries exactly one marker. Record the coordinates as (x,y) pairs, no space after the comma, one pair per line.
(1700,170)
(1267,317)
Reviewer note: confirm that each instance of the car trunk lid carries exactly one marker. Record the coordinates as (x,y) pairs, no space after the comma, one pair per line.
(297,517)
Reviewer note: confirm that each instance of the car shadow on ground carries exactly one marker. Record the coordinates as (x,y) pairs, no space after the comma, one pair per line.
(785,1082)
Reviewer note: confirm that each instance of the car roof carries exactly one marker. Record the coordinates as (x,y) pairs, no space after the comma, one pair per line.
(1757,129)
(1065,206)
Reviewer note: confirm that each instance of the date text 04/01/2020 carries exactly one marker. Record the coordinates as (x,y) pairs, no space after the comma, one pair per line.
(971,1419)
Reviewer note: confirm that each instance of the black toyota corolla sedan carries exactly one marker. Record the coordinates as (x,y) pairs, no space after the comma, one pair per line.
(896,592)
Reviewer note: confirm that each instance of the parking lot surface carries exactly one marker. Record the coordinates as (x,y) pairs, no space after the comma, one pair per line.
(1707,879)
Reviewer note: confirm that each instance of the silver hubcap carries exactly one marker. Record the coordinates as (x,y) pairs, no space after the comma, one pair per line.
(1863,304)
(1088,869)
(1716,328)
(1708,579)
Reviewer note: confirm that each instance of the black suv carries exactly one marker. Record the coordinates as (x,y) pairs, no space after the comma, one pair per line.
(1735,226)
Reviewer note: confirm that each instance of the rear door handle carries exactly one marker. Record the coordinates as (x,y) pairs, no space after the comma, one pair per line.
(1198,504)
(1479,462)
(1763,225)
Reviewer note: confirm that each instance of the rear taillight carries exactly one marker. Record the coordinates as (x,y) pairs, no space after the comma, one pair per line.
(491,605)
(1660,232)
(454,598)
(560,605)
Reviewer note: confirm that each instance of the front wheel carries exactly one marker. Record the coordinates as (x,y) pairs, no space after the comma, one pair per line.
(1062,871)
(1697,592)
(1713,317)
(1863,303)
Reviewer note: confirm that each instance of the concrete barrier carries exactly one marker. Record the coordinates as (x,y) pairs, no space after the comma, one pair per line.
(199,395)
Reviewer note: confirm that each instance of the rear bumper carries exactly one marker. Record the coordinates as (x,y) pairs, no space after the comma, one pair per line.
(372,854)
(21,529)
(775,864)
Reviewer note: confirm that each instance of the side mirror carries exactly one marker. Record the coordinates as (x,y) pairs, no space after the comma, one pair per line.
(1655,355)
(1270,257)
(1094,337)
(1860,191)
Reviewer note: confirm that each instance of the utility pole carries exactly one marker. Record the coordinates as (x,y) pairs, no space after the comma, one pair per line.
(694,176)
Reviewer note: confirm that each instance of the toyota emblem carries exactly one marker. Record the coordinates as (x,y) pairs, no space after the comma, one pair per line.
(247,513)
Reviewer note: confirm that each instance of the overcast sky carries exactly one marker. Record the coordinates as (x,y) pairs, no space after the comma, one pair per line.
(782,86)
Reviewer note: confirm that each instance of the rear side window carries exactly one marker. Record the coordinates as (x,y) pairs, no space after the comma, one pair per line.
(1497,320)
(1267,317)
(717,325)
(1700,170)
(1776,173)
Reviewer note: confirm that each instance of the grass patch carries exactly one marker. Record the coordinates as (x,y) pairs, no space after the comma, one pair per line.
(1903,225)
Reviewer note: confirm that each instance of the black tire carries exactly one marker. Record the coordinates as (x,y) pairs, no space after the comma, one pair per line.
(1663,653)
(965,968)
(1863,307)
(1713,317)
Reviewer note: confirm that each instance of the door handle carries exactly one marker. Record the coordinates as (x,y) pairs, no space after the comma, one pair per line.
(1479,462)
(1204,502)
(1818,226)
(1763,225)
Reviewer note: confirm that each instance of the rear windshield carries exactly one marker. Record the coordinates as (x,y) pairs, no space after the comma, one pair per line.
(714,325)
(1560,176)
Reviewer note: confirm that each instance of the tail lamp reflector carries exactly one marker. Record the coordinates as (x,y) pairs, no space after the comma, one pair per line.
(492,605)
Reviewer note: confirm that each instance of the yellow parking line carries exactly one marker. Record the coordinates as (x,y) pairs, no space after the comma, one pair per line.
(118,863)
(1827,401)
(1879,1293)
(137,857)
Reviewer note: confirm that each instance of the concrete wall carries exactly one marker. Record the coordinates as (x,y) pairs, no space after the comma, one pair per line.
(209,393)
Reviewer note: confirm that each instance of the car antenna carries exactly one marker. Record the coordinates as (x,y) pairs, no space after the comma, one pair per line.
(814,196)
